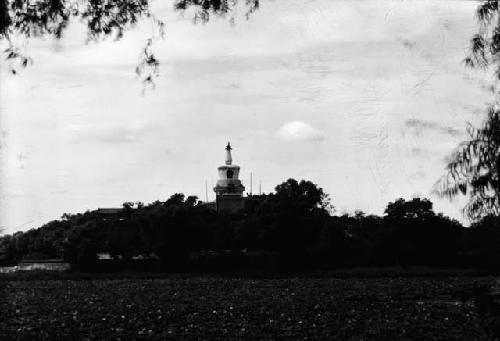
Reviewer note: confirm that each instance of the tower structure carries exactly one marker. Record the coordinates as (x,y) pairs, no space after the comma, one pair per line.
(229,190)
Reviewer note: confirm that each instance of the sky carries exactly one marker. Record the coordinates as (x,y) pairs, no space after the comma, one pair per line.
(365,98)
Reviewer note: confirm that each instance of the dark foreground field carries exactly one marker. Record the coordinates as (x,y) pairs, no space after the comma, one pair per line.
(221,308)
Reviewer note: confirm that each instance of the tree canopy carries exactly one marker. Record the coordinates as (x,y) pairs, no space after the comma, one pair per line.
(289,229)
(415,209)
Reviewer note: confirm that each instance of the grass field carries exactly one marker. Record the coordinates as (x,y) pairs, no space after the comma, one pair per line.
(208,308)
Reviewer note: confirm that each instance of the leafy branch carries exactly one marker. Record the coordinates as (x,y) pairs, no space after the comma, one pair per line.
(103,19)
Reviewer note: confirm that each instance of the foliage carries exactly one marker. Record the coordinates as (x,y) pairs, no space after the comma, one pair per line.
(102,18)
(290,229)
(292,222)
(220,8)
(485,44)
(475,169)
(409,233)
(474,166)
(417,208)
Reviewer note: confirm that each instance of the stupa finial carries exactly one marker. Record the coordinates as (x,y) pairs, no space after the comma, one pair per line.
(229,159)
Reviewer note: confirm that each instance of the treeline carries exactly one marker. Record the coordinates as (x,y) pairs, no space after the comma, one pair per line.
(290,229)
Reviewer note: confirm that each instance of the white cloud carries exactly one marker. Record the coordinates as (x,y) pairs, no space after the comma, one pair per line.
(298,130)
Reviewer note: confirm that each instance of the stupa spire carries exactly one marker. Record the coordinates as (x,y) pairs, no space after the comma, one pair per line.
(229,159)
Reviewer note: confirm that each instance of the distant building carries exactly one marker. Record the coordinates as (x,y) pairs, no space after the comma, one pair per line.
(104,255)
(210,205)
(229,190)
(111,213)
(43,264)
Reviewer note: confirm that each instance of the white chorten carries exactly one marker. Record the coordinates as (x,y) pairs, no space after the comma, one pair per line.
(229,190)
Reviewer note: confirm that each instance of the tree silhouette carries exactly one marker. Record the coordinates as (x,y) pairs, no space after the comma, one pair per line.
(286,230)
(303,195)
(103,19)
(292,222)
(416,208)
(411,233)
(175,199)
(205,8)
(474,167)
